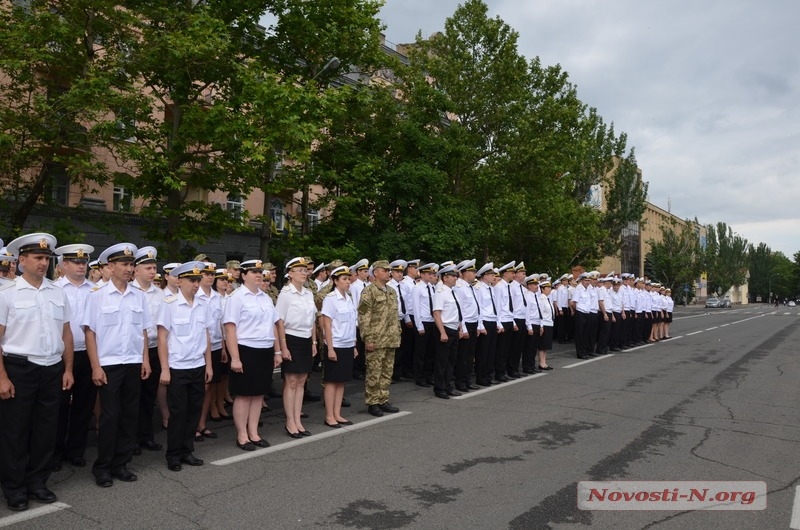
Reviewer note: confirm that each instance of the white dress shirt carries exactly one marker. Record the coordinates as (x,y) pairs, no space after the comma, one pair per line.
(297,310)
(120,321)
(76,294)
(342,312)
(423,303)
(214,301)
(154,298)
(254,317)
(444,300)
(187,327)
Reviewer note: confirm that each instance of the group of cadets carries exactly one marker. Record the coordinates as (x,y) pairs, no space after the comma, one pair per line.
(126,340)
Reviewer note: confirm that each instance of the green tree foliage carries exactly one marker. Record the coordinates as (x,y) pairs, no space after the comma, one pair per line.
(677,259)
(726,258)
(58,84)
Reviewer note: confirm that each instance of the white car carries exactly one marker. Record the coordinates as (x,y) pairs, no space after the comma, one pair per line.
(791,303)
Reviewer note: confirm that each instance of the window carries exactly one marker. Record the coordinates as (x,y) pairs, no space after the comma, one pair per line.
(313,217)
(235,205)
(126,125)
(276,211)
(122,199)
(58,185)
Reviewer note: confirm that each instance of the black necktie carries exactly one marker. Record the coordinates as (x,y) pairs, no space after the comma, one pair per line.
(510,302)
(471,288)
(460,318)
(522,292)
(536,297)
(402,302)
(430,298)
(494,307)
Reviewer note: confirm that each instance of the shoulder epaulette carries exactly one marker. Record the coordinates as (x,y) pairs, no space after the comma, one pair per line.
(169,299)
(8,285)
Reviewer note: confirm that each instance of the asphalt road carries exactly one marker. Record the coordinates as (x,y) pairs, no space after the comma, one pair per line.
(716,403)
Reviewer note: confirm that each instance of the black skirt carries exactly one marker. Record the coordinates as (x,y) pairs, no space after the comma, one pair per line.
(341,370)
(216,365)
(256,376)
(669,318)
(545,340)
(300,349)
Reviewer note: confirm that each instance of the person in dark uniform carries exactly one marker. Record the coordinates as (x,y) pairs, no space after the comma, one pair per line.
(77,404)
(425,340)
(505,308)
(450,324)
(487,342)
(35,368)
(115,323)
(184,349)
(471,311)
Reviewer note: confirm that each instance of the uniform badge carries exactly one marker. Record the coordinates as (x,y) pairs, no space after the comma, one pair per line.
(80,253)
(150,254)
(43,243)
(127,251)
(258,264)
(195,271)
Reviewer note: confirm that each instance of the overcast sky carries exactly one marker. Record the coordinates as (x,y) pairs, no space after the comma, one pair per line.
(708,92)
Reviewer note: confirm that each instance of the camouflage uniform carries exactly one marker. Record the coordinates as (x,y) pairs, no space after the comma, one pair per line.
(377,320)
(272,291)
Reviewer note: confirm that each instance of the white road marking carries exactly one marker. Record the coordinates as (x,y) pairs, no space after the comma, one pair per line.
(723,325)
(795,521)
(709,329)
(474,393)
(309,439)
(32,514)
(694,333)
(595,359)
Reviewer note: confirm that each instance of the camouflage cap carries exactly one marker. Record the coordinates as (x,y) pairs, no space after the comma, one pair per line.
(232,264)
(268,266)
(333,264)
(381,264)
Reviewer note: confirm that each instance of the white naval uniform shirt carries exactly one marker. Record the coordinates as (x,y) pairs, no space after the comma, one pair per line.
(583,299)
(356,287)
(404,299)
(154,298)
(501,300)
(34,319)
(120,320)
(214,301)
(532,319)
(254,317)
(423,301)
(468,298)
(485,297)
(520,300)
(342,311)
(187,329)
(297,310)
(444,301)
(76,294)
(616,300)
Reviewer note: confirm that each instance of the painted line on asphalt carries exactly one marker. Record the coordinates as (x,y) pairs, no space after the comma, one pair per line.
(691,316)
(639,347)
(751,318)
(795,521)
(673,338)
(694,333)
(787,313)
(474,393)
(709,329)
(596,359)
(309,439)
(32,514)
(724,325)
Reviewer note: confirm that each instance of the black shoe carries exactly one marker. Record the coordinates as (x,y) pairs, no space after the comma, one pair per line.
(138,450)
(483,382)
(191,460)
(334,425)
(305,433)
(583,356)
(174,465)
(504,379)
(454,393)
(462,388)
(423,384)
(303,415)
(291,434)
(528,371)
(548,367)
(429,381)
(375,410)
(55,464)
(515,375)
(472,387)
(104,480)
(258,443)
(124,475)
(538,370)
(346,422)
(150,445)
(310,397)
(77,461)
(43,495)
(388,407)
(441,394)
(17,503)
(345,403)
(247,446)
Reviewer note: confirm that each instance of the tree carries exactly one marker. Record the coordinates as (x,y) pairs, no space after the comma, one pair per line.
(677,259)
(58,88)
(726,258)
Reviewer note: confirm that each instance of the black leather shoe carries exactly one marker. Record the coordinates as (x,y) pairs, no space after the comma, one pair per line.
(504,379)
(258,443)
(583,356)
(303,415)
(515,375)
(43,495)
(454,393)
(103,480)
(462,388)
(345,422)
(191,460)
(441,394)
(310,396)
(150,445)
(305,433)
(247,446)
(334,425)
(291,434)
(398,379)
(423,384)
(174,465)
(429,381)
(17,503)
(388,407)
(483,382)
(77,461)
(472,387)
(345,403)
(375,410)
(547,368)
(124,475)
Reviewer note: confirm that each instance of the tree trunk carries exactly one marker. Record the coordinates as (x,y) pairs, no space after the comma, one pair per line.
(21,212)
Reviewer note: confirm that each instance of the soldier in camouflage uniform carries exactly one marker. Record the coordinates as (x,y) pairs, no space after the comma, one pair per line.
(269,278)
(380,331)
(310,284)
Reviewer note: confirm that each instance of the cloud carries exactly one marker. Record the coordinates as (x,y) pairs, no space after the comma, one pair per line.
(707,92)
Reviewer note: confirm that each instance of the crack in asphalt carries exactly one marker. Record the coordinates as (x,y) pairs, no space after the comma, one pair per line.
(706,436)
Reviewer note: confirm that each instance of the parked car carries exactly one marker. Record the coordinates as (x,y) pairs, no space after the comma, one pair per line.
(791,303)
(725,302)
(713,302)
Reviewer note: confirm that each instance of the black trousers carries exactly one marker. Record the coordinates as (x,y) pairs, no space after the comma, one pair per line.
(615,339)
(119,417)
(466,355)
(603,332)
(75,410)
(424,351)
(28,425)
(517,344)
(404,354)
(628,328)
(485,348)
(591,332)
(504,340)
(147,398)
(562,325)
(185,394)
(530,348)
(582,331)
(446,355)
(359,363)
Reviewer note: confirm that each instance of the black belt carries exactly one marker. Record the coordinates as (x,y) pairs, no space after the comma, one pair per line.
(13,358)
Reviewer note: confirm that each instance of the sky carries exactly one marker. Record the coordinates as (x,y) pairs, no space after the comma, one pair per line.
(707,92)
